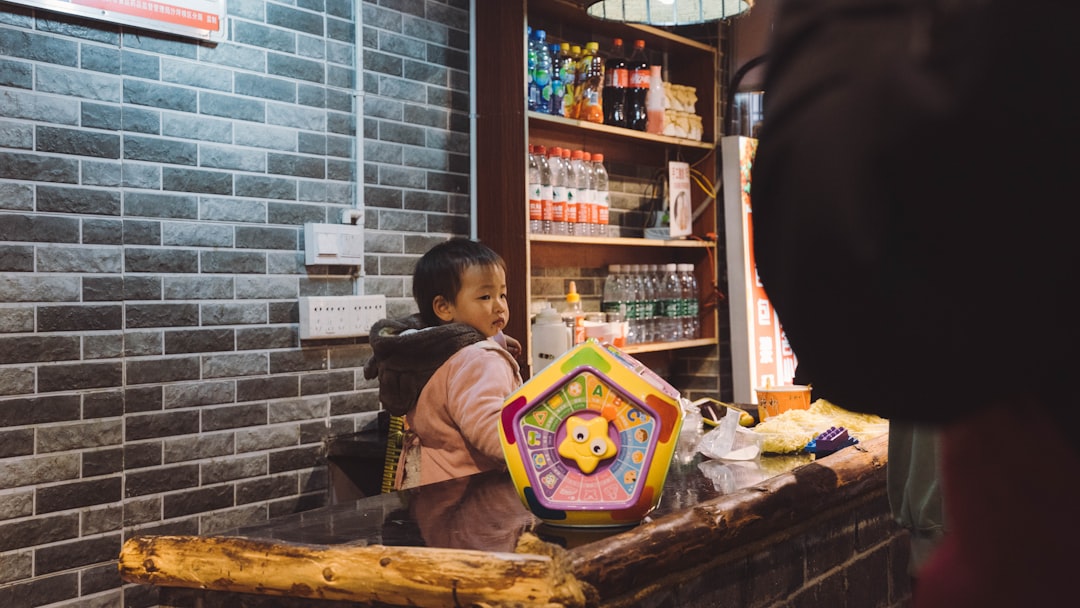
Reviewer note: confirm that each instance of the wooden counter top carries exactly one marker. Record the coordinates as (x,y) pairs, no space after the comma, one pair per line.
(471,542)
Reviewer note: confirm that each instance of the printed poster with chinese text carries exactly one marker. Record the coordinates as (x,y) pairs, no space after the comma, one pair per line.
(760,354)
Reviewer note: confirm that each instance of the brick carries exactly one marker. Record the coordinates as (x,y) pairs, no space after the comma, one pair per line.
(231,313)
(201,500)
(274,39)
(142,455)
(155,150)
(77,142)
(78,494)
(230,365)
(79,376)
(233,262)
(103,404)
(141,120)
(143,343)
(198,447)
(38,531)
(41,591)
(16,443)
(268,338)
(276,89)
(140,232)
(13,505)
(65,556)
(297,215)
(304,457)
(233,417)
(99,59)
(38,168)
(199,287)
(266,438)
(251,288)
(236,108)
(196,180)
(16,259)
(354,403)
(103,346)
(79,259)
(265,187)
(161,479)
(14,135)
(13,567)
(198,75)
(307,408)
(229,469)
(100,579)
(80,436)
(173,369)
(102,232)
(143,399)
(160,96)
(102,461)
(161,424)
(266,488)
(161,260)
(295,165)
(80,318)
(202,128)
(25,411)
(293,360)
(199,341)
(198,393)
(293,19)
(223,157)
(18,74)
(16,197)
(34,349)
(46,49)
(192,234)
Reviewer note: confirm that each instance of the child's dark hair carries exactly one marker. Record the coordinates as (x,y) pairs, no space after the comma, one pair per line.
(438,273)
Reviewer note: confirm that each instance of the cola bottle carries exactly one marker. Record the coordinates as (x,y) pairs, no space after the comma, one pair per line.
(616,79)
(637,90)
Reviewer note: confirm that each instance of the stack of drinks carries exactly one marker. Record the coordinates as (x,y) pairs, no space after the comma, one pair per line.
(659,302)
(567,192)
(577,81)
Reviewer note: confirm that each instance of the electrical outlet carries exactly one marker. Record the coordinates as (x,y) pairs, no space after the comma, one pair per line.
(339,316)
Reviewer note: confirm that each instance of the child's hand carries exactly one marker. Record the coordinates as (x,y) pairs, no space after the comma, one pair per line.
(513,347)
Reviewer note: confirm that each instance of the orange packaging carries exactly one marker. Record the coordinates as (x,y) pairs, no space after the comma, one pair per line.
(775,400)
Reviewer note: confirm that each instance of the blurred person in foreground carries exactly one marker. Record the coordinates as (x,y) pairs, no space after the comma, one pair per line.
(915,215)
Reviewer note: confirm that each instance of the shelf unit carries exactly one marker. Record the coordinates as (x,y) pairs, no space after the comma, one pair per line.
(504,128)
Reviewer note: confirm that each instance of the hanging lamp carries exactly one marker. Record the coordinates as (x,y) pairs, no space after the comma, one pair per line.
(667,12)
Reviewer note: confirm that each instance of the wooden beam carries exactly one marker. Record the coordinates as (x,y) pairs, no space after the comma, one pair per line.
(407,576)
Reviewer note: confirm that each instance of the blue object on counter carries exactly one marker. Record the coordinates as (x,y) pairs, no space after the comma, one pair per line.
(832,440)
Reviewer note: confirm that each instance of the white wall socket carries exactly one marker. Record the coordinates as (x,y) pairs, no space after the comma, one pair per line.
(339,316)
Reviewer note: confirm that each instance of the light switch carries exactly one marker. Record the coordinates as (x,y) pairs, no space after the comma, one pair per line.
(333,244)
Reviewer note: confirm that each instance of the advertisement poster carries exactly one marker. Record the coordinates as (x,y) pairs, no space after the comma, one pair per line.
(760,354)
(679,195)
(203,19)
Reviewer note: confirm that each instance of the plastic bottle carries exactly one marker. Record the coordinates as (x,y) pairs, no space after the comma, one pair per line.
(574,315)
(613,301)
(558,85)
(603,196)
(540,89)
(634,303)
(558,191)
(616,79)
(638,88)
(670,297)
(590,194)
(566,69)
(592,91)
(550,338)
(530,65)
(691,318)
(545,190)
(535,193)
(653,308)
(581,181)
(572,192)
(654,102)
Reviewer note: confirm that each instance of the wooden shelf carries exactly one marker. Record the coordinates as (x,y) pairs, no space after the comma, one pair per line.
(653,347)
(621,241)
(575,128)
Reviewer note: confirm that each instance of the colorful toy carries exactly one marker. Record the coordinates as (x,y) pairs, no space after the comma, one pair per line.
(832,440)
(589,439)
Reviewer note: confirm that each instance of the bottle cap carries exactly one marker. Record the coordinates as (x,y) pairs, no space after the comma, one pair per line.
(598,157)
(572,296)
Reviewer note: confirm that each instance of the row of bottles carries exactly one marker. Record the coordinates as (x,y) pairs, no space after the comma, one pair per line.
(659,302)
(578,82)
(567,192)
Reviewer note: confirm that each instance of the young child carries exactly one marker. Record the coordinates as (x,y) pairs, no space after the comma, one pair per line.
(446,368)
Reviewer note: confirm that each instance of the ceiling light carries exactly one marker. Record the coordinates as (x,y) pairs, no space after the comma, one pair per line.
(667,12)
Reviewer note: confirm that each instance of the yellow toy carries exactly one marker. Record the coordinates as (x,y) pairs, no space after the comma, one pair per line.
(589,439)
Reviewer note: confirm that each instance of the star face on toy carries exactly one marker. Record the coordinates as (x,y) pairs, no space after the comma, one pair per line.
(587,442)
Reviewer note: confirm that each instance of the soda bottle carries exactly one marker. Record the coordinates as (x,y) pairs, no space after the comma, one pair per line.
(535,190)
(566,68)
(637,114)
(558,85)
(616,79)
(530,65)
(540,89)
(654,102)
(576,55)
(558,191)
(591,106)
(603,197)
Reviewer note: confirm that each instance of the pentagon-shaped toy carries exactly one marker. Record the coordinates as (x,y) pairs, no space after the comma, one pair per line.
(589,439)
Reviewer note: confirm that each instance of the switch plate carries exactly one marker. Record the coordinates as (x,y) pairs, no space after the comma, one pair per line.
(339,316)
(333,244)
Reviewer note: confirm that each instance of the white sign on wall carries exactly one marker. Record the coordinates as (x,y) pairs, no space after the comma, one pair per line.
(203,19)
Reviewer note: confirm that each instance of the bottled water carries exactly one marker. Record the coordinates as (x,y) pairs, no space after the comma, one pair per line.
(581,182)
(614,298)
(540,87)
(558,191)
(650,321)
(670,296)
(545,189)
(572,192)
(691,319)
(530,65)
(603,197)
(535,191)
(590,194)
(558,85)
(635,305)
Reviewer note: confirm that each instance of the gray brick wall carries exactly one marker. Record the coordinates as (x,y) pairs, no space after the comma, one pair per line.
(153,192)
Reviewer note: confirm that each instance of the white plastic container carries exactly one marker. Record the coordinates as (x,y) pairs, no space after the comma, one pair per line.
(550,338)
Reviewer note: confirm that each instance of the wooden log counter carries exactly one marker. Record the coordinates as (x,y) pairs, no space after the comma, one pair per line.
(780,531)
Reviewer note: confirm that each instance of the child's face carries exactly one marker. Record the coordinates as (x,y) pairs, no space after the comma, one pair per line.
(481,302)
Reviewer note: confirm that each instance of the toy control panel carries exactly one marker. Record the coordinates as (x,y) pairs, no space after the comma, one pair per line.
(588,441)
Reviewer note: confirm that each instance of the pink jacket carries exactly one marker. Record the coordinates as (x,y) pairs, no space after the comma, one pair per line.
(456,418)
